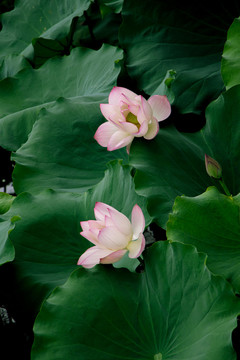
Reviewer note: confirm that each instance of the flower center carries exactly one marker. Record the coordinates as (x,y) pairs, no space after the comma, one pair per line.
(132,119)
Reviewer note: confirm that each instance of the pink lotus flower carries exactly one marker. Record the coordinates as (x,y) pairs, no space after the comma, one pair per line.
(130,115)
(113,235)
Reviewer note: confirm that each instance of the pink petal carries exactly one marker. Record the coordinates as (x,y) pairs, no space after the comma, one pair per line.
(123,105)
(90,236)
(110,110)
(136,247)
(125,126)
(108,221)
(134,109)
(118,124)
(137,100)
(113,257)
(160,106)
(119,139)
(143,129)
(112,239)
(91,224)
(115,95)
(129,128)
(121,222)
(101,210)
(145,111)
(138,221)
(85,225)
(104,133)
(92,256)
(153,128)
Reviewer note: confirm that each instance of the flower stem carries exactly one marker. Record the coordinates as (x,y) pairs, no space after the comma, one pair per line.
(224,186)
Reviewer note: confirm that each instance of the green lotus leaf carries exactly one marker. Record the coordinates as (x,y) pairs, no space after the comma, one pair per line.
(7,224)
(11,65)
(47,239)
(231,56)
(31,19)
(114,5)
(165,87)
(45,49)
(210,221)
(7,252)
(189,38)
(175,309)
(61,152)
(84,73)
(172,164)
(116,189)
(5,202)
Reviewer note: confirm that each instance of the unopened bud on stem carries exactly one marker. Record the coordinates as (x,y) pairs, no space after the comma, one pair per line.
(213,168)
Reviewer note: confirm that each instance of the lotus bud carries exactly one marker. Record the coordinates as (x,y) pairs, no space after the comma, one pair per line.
(213,168)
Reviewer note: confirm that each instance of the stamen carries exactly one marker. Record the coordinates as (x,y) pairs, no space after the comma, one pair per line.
(133,120)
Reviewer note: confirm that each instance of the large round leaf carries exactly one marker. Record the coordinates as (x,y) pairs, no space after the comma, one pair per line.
(187,37)
(84,73)
(5,202)
(7,224)
(114,5)
(34,18)
(172,164)
(116,188)
(61,152)
(210,222)
(11,65)
(174,310)
(47,240)
(231,56)
(7,251)
(165,170)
